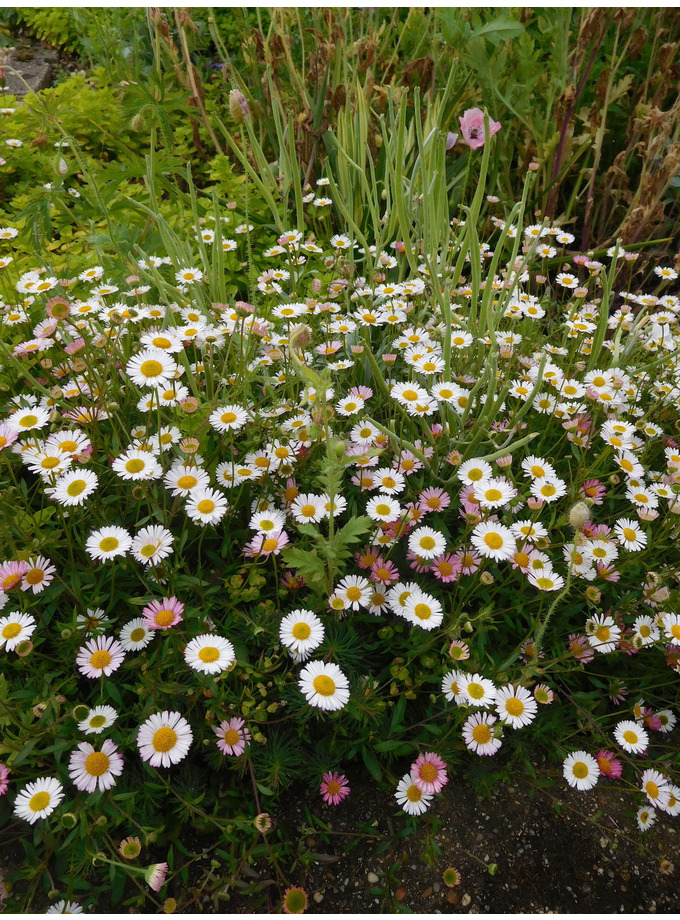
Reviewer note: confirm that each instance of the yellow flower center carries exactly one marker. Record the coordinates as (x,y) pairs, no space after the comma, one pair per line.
(537,472)
(76,487)
(476,691)
(629,534)
(161,342)
(301,631)
(228,418)
(514,707)
(28,420)
(333,788)
(548,489)
(324,685)
(652,789)
(409,395)
(206,506)
(187,482)
(545,583)
(413,793)
(675,631)
(481,733)
(580,770)
(603,633)
(34,576)
(164,739)
(100,659)
(354,594)
(630,737)
(151,368)
(135,466)
(382,509)
(97,763)
(493,495)
(422,611)
(209,654)
(231,737)
(148,550)
(39,801)
(49,463)
(97,721)
(137,634)
(68,447)
(428,772)
(427,543)
(164,618)
(11,631)
(108,544)
(493,540)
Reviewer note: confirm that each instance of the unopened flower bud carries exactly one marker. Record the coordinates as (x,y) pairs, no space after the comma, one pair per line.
(578,515)
(238,106)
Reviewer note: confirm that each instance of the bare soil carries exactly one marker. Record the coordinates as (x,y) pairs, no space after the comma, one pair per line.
(519,849)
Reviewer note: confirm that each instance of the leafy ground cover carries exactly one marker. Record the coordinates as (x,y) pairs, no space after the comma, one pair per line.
(357,470)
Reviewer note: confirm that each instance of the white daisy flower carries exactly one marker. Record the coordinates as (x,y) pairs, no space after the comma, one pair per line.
(324,685)
(355,591)
(479,734)
(603,633)
(28,419)
(427,543)
(73,487)
(631,737)
(107,543)
(581,770)
(184,480)
(98,718)
(164,739)
(152,368)
(210,654)
(308,509)
(412,799)
(301,631)
(136,464)
(91,770)
(383,508)
(516,706)
(656,787)
(135,635)
(671,625)
(228,418)
(38,800)
(423,610)
(494,541)
(15,628)
(478,690)
(646,817)
(494,492)
(206,506)
(151,544)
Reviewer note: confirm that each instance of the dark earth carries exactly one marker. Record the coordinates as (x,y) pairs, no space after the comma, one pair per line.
(556,850)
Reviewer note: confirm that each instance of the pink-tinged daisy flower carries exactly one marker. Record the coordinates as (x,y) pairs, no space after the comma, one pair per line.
(294,901)
(446,568)
(4,779)
(593,490)
(233,736)
(384,572)
(92,770)
(164,613)
(608,765)
(467,560)
(429,773)
(459,650)
(8,435)
(11,574)
(154,875)
(578,646)
(100,656)
(433,499)
(15,628)
(479,734)
(266,544)
(130,847)
(39,574)
(164,739)
(334,788)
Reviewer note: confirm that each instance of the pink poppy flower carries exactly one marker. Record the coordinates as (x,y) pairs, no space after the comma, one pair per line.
(233,736)
(429,773)
(334,788)
(472,127)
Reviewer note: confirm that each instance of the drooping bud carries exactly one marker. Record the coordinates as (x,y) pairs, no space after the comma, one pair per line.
(578,515)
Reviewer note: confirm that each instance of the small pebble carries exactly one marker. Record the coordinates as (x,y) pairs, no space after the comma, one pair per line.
(467,900)
(372,878)
(318,897)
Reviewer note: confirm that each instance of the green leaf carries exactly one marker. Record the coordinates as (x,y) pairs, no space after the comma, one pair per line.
(499,30)
(372,764)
